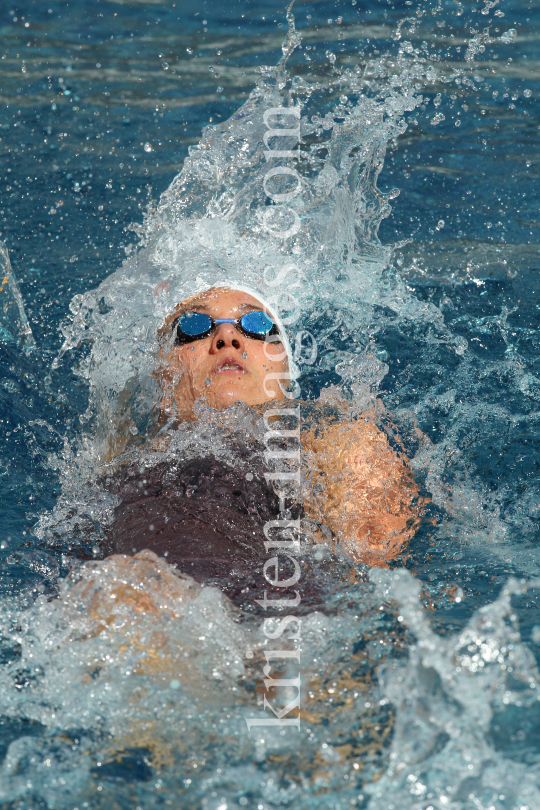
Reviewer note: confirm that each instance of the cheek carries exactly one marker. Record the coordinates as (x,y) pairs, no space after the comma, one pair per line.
(191,357)
(271,358)
(276,355)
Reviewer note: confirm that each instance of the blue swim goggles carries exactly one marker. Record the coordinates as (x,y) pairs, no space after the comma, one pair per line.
(195,326)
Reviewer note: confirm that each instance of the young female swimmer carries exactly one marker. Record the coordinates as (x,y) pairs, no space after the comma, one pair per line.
(207,517)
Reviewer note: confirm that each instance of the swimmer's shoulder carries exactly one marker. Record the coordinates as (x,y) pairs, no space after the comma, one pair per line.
(331,418)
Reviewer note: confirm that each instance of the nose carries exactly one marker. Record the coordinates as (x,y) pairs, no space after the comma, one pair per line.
(225,336)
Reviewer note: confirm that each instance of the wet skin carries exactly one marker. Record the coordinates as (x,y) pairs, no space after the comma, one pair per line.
(224,367)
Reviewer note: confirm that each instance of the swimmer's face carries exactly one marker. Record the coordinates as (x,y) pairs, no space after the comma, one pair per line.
(224,367)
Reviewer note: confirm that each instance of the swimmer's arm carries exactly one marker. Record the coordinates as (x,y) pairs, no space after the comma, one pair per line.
(370,502)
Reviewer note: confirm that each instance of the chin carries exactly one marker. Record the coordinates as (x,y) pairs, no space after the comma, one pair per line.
(224,399)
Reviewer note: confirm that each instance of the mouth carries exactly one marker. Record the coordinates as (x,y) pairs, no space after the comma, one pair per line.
(229,365)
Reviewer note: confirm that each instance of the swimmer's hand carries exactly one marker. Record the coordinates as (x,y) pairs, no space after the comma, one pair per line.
(370,501)
(144,583)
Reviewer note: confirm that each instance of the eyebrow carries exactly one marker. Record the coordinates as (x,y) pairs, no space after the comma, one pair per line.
(239,308)
(251,306)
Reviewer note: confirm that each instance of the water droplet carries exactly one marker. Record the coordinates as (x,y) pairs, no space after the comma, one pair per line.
(95,549)
(133,430)
(189,50)
(440,224)
(249,476)
(208,381)
(245,355)
(219,89)
(148,147)
(249,654)
(192,348)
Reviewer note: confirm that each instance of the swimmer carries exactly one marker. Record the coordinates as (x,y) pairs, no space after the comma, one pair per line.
(206,517)
(183,521)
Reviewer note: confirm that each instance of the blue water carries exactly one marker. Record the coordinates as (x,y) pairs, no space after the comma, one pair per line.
(100,103)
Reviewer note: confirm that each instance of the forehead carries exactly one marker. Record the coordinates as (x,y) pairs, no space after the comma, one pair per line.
(222,302)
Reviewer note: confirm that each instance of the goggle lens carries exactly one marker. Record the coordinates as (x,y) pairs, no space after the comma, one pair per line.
(258,323)
(194,324)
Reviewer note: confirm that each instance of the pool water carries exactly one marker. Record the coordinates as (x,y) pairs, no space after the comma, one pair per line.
(419,682)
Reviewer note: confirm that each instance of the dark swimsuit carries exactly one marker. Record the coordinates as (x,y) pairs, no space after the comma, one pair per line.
(207,517)
(202,515)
